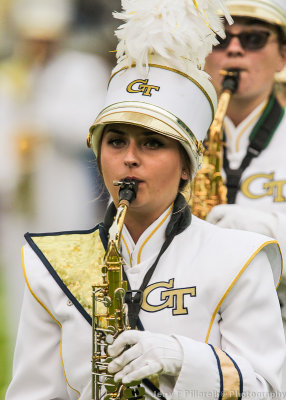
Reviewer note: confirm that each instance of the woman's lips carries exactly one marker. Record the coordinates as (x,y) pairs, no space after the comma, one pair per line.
(132,178)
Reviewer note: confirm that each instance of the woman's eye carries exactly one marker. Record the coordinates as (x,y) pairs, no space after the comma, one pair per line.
(153,144)
(116,142)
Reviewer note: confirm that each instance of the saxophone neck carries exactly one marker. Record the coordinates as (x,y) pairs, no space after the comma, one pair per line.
(216,126)
(127,193)
(229,87)
(115,230)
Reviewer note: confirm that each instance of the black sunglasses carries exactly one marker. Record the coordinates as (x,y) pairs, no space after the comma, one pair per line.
(253,40)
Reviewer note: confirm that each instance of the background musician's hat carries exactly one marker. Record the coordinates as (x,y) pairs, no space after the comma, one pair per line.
(271,11)
(41,19)
(159,82)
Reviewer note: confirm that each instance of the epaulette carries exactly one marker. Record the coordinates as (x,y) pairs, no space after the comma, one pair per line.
(74,259)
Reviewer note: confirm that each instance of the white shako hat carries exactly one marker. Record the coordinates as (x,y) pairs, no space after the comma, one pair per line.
(42,19)
(271,11)
(159,82)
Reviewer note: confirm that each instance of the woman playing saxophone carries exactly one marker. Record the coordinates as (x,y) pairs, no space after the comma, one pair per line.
(201,300)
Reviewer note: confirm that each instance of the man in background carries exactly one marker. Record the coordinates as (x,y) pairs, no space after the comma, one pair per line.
(255,123)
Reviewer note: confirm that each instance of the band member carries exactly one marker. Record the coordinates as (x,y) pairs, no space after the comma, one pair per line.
(255,123)
(209,300)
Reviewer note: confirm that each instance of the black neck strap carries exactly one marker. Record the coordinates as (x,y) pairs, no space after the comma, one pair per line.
(259,139)
(180,220)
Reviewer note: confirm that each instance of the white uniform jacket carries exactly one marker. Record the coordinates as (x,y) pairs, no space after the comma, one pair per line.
(212,288)
(263,183)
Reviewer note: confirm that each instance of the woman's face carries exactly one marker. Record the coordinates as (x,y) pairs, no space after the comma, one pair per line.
(154,160)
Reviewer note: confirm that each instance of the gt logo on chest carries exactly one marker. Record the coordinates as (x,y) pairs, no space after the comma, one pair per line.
(264,185)
(170,298)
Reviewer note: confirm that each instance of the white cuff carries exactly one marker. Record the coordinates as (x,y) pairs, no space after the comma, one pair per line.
(195,381)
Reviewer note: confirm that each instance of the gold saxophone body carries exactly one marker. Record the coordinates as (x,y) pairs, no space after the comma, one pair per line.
(208,188)
(109,311)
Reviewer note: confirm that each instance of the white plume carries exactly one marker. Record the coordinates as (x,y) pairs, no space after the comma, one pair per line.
(182,32)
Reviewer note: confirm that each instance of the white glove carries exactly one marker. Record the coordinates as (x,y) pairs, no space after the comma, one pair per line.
(245,218)
(150,353)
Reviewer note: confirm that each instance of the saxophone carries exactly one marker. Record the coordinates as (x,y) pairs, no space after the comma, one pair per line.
(112,318)
(208,188)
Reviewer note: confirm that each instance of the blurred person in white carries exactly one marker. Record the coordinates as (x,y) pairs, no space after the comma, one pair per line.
(48,95)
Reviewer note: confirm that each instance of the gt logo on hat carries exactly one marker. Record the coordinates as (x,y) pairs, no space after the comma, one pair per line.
(142,87)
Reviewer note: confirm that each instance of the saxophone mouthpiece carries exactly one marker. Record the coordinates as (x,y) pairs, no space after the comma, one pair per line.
(230,80)
(117,183)
(128,189)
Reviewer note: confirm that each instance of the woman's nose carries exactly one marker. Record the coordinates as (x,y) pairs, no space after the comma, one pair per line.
(131,158)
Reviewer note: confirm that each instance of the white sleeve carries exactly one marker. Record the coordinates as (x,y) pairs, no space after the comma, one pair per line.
(37,369)
(252,352)
(281,235)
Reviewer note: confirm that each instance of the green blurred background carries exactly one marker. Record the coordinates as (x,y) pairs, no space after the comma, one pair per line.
(6,341)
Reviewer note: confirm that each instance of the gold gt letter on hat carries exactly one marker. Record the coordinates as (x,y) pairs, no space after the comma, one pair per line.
(142,87)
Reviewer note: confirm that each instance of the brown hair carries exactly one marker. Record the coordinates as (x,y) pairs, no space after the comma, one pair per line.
(187,166)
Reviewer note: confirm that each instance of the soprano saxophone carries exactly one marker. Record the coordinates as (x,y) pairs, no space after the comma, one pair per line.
(208,187)
(108,324)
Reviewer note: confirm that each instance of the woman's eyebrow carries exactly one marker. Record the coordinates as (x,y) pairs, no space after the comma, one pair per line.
(145,133)
(150,133)
(114,130)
